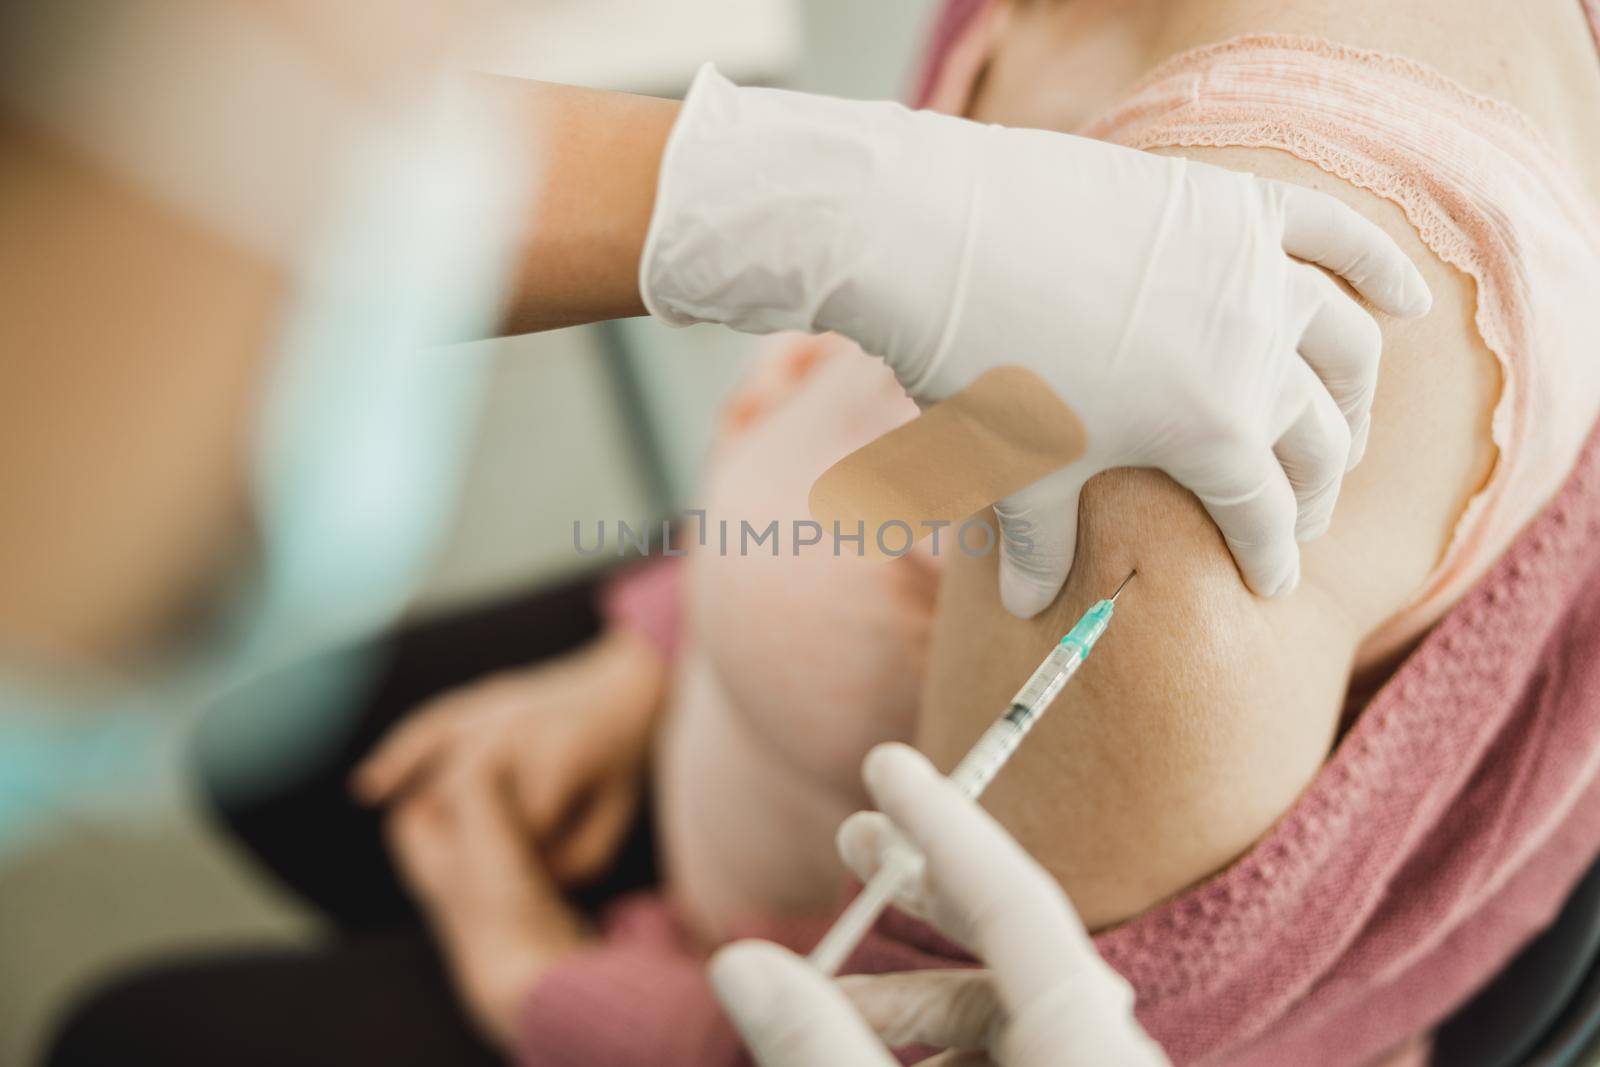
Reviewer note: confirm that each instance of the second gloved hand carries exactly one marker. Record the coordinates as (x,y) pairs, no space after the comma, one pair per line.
(1046,999)
(1168,302)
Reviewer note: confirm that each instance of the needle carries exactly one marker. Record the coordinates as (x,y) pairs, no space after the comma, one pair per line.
(1125,581)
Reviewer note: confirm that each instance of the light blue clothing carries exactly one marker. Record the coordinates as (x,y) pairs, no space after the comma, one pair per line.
(363,432)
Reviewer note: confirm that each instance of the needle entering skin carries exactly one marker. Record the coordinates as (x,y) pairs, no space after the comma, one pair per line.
(1125,581)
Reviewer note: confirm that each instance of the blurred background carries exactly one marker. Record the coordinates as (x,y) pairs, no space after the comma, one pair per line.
(606,421)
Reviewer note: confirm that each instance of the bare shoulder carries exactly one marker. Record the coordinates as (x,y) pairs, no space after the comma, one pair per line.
(1200,717)
(1431,448)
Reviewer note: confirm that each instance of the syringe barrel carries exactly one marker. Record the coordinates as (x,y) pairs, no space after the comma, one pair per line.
(1048,678)
(984,759)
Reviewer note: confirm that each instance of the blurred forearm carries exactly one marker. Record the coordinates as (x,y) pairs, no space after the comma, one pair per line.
(596,156)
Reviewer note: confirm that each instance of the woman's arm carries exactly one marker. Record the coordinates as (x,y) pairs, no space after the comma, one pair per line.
(1206,709)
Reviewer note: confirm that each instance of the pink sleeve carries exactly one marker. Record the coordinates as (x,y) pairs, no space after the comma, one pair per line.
(638,998)
(646,600)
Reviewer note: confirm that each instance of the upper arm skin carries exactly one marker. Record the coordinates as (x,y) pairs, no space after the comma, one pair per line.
(1205,709)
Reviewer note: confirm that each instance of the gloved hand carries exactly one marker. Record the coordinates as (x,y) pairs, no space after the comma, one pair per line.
(1048,999)
(1163,299)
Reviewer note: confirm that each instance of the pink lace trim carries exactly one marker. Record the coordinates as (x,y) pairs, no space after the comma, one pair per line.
(1351,112)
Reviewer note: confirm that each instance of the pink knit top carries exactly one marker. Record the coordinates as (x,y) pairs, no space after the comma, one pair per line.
(1462,804)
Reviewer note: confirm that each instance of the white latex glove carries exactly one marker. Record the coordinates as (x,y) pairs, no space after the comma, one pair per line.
(1048,999)
(1163,299)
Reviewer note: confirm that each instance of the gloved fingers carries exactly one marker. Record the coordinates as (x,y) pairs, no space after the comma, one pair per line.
(991,894)
(1313,453)
(1038,537)
(788,1014)
(1325,231)
(863,839)
(1344,345)
(1248,496)
(1079,1025)
(945,1009)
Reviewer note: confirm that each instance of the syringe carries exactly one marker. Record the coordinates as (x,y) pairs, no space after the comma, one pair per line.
(972,776)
